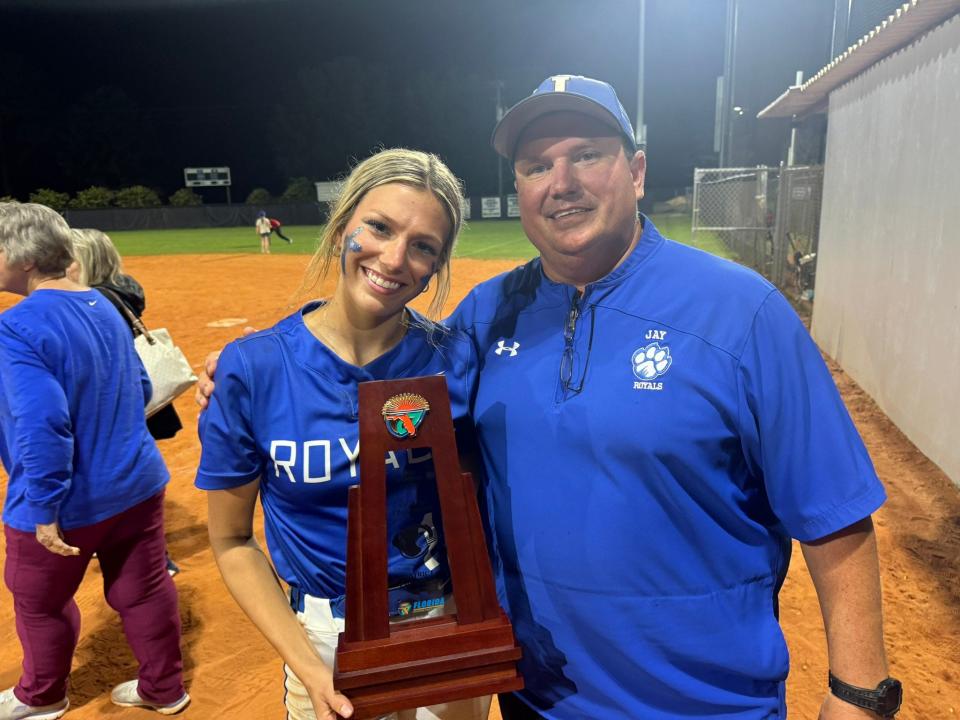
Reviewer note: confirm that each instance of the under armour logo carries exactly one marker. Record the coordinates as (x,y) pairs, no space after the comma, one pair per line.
(502,347)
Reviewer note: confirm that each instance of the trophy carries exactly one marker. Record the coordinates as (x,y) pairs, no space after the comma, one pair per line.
(382,666)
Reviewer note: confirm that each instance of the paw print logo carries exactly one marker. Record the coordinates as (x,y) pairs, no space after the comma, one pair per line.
(651,361)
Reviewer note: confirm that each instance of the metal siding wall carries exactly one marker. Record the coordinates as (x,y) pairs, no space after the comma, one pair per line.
(888,280)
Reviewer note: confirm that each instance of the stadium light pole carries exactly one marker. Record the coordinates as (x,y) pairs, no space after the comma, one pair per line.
(498,84)
(792,148)
(841,18)
(729,83)
(641,131)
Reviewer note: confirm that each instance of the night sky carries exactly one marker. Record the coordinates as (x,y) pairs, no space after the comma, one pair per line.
(122,92)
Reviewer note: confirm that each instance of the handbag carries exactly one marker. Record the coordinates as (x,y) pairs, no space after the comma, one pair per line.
(169,370)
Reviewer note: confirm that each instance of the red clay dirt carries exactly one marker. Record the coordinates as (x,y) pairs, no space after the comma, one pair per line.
(232,672)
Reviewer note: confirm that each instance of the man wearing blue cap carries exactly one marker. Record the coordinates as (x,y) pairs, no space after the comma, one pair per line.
(686,429)
(656,425)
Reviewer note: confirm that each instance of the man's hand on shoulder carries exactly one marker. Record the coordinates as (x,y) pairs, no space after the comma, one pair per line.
(205,385)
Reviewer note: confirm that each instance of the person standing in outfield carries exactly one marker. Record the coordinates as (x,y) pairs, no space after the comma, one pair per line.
(277,227)
(262,226)
(85,476)
(283,425)
(686,429)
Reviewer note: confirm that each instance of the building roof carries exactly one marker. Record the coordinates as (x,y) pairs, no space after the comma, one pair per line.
(899,29)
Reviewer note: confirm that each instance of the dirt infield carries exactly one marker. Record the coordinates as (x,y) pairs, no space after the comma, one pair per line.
(232,672)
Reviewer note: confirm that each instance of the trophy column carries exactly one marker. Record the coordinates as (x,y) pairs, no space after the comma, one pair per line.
(383,667)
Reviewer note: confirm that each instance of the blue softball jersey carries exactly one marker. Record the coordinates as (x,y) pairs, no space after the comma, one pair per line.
(73,436)
(651,448)
(285,411)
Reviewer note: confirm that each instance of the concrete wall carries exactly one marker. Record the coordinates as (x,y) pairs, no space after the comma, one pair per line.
(887,302)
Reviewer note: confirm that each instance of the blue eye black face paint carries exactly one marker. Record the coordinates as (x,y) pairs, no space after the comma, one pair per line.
(426,278)
(350,245)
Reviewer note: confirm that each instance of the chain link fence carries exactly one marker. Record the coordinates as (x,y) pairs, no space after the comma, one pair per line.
(769,217)
(797,230)
(732,203)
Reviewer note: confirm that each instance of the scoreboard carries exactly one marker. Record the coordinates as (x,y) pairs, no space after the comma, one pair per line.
(206,177)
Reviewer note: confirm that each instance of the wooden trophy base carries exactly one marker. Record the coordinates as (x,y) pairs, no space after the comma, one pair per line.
(431,661)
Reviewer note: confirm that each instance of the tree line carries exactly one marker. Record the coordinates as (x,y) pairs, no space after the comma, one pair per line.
(298,190)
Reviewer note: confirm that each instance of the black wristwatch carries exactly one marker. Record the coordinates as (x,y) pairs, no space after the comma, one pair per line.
(884,700)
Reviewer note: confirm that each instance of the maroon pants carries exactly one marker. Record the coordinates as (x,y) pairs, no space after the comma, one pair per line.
(131,549)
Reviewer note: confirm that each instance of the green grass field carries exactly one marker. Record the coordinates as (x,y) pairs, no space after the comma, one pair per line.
(483,239)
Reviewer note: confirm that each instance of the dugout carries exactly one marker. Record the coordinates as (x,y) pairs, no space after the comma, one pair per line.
(888,267)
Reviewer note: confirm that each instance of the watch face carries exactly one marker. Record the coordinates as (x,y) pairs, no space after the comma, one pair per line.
(891,695)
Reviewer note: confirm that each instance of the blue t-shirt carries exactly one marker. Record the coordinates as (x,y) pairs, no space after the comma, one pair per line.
(651,447)
(285,411)
(73,436)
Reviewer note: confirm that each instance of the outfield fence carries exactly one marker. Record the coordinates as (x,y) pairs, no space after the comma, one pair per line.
(236,215)
(769,217)
(200,216)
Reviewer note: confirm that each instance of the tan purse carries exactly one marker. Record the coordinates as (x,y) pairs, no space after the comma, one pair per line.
(169,370)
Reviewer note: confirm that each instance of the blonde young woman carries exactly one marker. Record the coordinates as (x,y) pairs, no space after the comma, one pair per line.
(283,425)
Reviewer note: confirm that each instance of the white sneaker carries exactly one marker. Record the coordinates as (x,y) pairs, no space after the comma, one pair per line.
(125,695)
(12,709)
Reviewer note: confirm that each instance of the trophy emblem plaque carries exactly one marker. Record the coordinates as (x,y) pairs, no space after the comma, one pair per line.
(382,666)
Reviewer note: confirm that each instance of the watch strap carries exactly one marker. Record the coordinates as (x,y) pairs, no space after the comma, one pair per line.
(875,699)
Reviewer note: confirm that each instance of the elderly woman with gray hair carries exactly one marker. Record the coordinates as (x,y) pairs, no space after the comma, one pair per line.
(85,476)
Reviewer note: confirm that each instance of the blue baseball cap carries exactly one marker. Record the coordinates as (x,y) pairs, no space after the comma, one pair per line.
(562,93)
